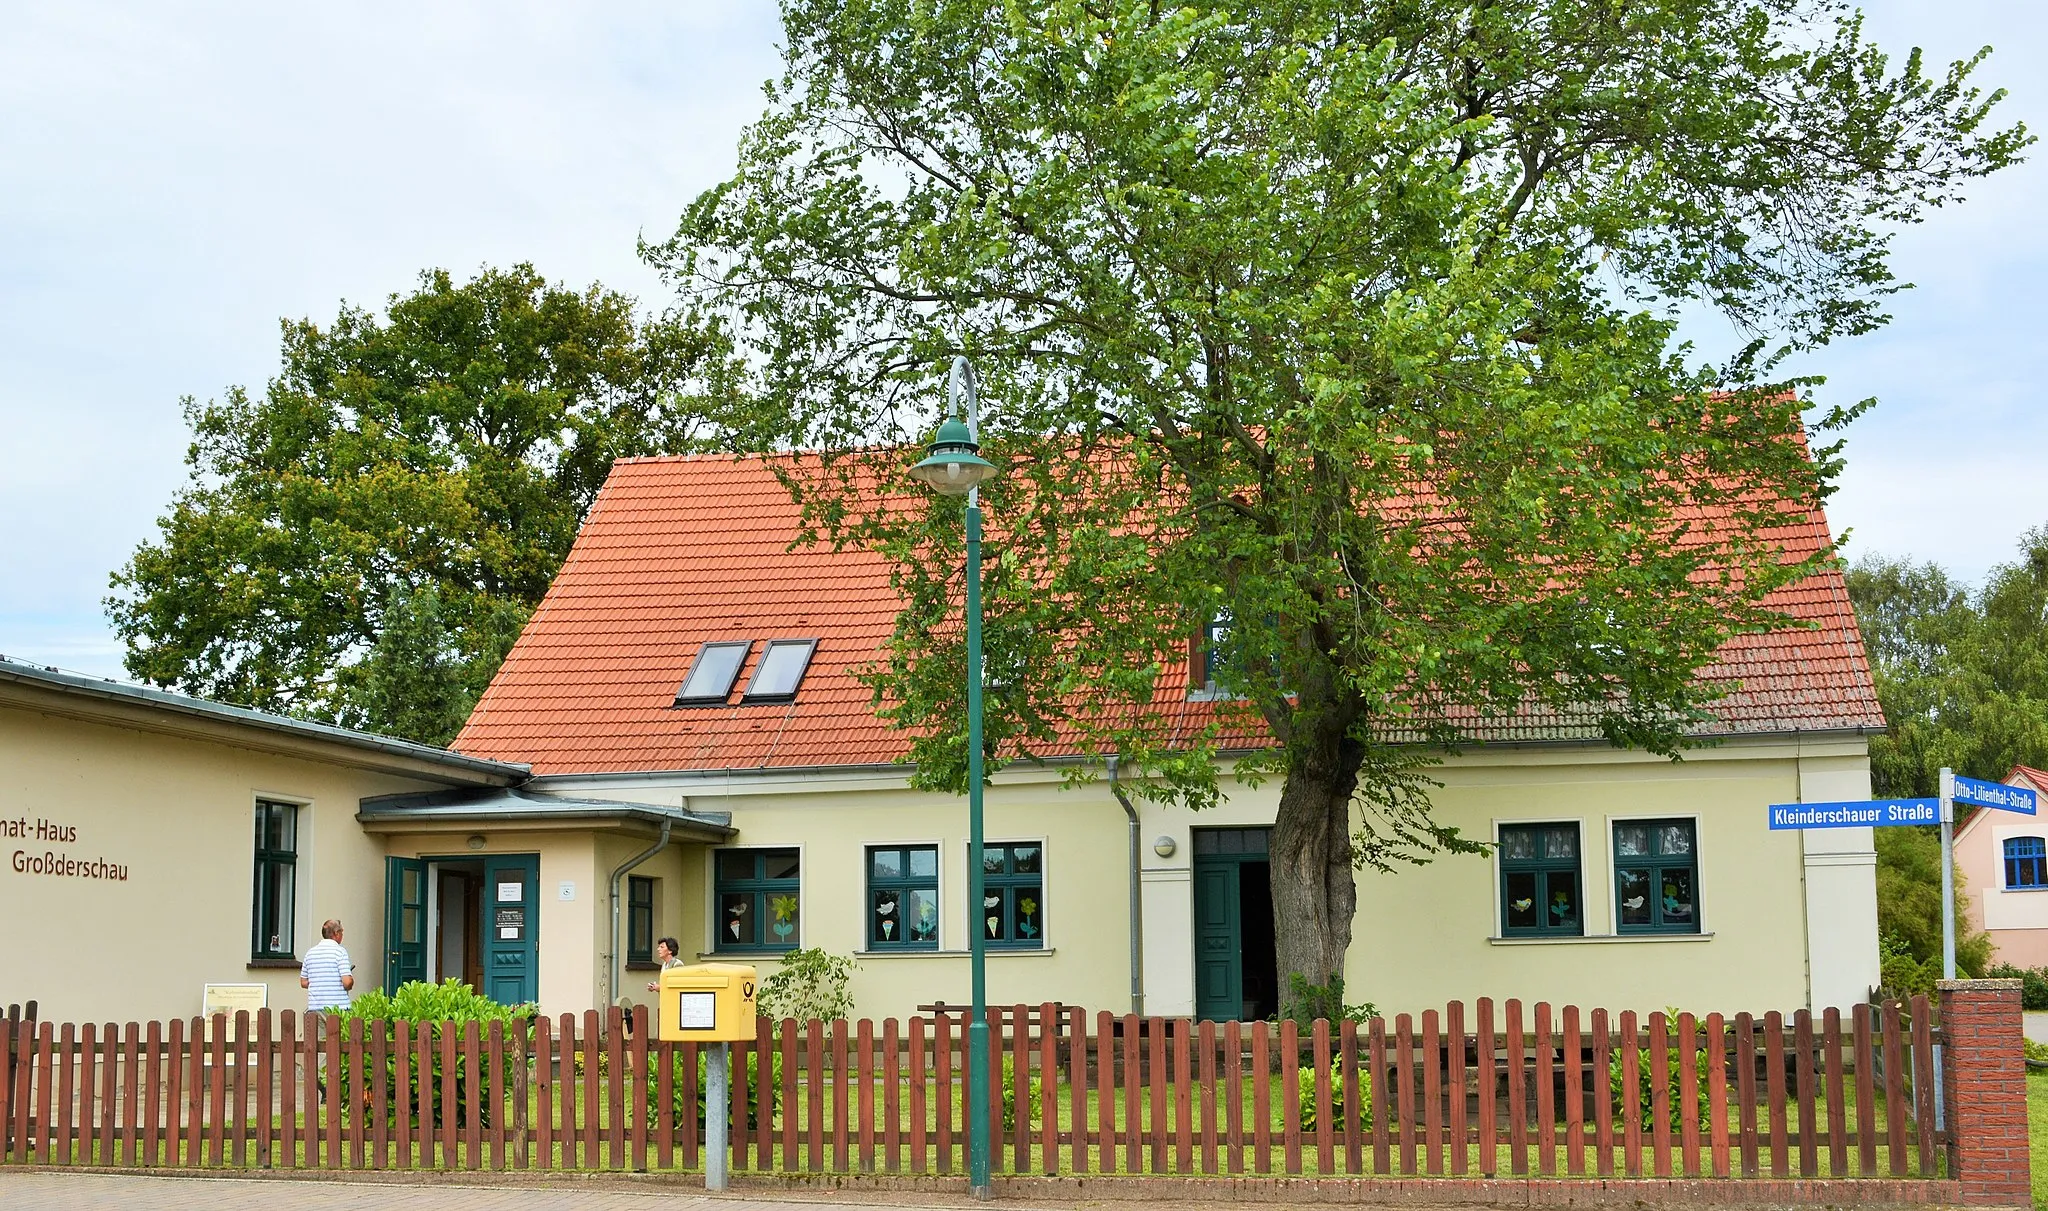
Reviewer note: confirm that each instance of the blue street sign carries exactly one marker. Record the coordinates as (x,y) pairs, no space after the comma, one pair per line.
(1994,794)
(1861,813)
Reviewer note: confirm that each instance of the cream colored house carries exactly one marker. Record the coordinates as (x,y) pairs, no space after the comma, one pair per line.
(687,657)
(2003,860)
(677,746)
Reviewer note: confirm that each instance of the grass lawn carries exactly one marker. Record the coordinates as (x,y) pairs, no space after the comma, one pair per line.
(2037,1133)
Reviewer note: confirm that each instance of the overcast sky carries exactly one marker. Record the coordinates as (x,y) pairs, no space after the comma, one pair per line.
(176,178)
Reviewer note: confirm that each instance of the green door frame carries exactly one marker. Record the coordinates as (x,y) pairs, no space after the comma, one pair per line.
(511,960)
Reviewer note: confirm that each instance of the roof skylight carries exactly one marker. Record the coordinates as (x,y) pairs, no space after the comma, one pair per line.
(711,675)
(781,670)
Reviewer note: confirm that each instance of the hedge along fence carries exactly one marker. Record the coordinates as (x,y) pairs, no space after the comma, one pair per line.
(1497,1091)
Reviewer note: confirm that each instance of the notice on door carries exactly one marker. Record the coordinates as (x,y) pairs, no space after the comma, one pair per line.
(696,1010)
(511,893)
(511,924)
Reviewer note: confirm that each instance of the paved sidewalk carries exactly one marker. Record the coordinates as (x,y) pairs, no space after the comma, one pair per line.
(45,1191)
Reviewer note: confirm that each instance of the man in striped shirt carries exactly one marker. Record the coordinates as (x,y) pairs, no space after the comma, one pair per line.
(325,973)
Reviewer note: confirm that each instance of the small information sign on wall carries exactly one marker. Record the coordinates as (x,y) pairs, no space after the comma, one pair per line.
(228,998)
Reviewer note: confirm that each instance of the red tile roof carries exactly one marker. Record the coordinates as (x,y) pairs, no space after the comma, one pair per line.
(678,552)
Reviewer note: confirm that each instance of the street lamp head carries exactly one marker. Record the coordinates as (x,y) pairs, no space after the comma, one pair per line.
(955,465)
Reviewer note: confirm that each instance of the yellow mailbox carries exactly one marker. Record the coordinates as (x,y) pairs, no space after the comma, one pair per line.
(708,1002)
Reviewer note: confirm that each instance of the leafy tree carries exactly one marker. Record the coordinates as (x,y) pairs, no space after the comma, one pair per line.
(1244,277)
(1909,903)
(361,542)
(1963,677)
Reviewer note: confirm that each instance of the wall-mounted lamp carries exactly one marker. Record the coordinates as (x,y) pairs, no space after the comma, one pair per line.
(1164,847)
(477,841)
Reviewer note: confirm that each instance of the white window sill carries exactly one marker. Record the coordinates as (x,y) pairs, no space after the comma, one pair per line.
(1603,938)
(1044,952)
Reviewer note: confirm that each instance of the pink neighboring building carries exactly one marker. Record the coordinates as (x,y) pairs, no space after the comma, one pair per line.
(2003,858)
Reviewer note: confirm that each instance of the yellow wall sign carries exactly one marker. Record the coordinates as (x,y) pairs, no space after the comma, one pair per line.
(227,998)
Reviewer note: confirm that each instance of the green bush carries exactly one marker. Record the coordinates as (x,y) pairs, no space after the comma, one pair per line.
(1646,1081)
(1307,1002)
(1900,974)
(810,985)
(2033,983)
(449,1005)
(684,1097)
(1034,1103)
(1311,1110)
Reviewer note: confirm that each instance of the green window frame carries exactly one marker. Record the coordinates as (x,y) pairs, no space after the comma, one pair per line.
(274,901)
(1012,915)
(903,897)
(1656,876)
(639,919)
(759,893)
(1542,889)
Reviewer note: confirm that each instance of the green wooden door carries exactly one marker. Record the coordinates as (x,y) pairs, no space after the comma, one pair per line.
(405,921)
(511,927)
(1219,962)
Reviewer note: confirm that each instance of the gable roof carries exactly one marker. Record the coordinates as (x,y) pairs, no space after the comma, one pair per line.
(681,551)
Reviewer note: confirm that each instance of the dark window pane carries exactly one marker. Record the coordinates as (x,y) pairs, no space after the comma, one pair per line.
(409,885)
(1632,896)
(1676,890)
(737,924)
(1205,841)
(410,927)
(924,863)
(781,863)
(1027,904)
(885,916)
(782,918)
(1632,840)
(1232,840)
(1255,841)
(1026,860)
(1521,892)
(921,914)
(992,860)
(1563,911)
(1675,839)
(1561,841)
(1518,844)
(992,913)
(735,864)
(886,864)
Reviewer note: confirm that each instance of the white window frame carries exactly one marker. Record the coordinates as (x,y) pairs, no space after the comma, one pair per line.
(1699,866)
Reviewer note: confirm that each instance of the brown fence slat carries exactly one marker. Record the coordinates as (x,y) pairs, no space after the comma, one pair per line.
(1603,1104)
(356,1094)
(590,1100)
(1020,1091)
(1262,1101)
(109,1113)
(1205,1047)
(892,1105)
(1745,1088)
(1432,1094)
(1106,1085)
(1133,1124)
(1837,1092)
(1866,1093)
(426,1097)
(447,1040)
(1689,1093)
(842,1088)
(152,1091)
(691,1144)
(792,1063)
(1347,1050)
(919,1140)
(1326,1134)
(764,1116)
(664,1060)
(70,1059)
(864,1064)
(546,1058)
(1155,1152)
(1459,1127)
(942,1086)
(130,1124)
(1233,1095)
(79,1137)
(1404,1089)
(1482,1046)
(1923,1084)
(568,1064)
(615,1094)
(1290,1093)
(498,1105)
(1806,1089)
(266,1071)
(1049,1080)
(403,1104)
(1717,1093)
(1660,1095)
(46,1043)
(1518,1092)
(519,1041)
(22,1084)
(1630,1042)
(1183,1099)
(1774,1089)
(217,1091)
(8,1028)
(1376,1060)
(815,1082)
(1544,1090)
(1574,1095)
(240,1116)
(1077,1089)
(289,1050)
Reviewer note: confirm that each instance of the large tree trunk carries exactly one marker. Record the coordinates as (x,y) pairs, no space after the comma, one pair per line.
(1314,890)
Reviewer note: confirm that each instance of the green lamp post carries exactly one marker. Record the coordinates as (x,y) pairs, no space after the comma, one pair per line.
(956,468)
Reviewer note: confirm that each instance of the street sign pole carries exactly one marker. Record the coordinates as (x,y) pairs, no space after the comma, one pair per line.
(1948,873)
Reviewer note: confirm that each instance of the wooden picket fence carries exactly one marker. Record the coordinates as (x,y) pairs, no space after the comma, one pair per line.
(1500,1092)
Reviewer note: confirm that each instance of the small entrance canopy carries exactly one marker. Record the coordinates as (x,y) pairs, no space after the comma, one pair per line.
(511,806)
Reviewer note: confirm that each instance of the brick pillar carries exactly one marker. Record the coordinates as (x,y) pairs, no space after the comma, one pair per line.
(1984,1079)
